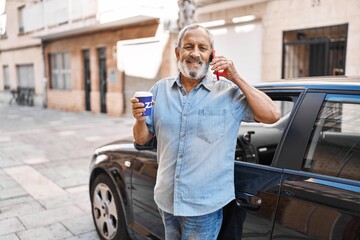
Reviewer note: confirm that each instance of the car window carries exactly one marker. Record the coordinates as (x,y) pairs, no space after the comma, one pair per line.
(334,146)
(257,142)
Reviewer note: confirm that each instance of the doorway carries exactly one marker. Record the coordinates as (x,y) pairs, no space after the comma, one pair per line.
(313,52)
(102,77)
(86,59)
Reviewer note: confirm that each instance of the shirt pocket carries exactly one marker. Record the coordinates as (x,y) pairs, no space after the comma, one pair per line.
(211,124)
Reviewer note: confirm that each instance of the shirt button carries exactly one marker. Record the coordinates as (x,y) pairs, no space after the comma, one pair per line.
(182,135)
(177,177)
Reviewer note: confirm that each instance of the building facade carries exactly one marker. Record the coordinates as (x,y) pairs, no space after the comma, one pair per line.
(82,69)
(91,55)
(283,39)
(21,62)
(72,50)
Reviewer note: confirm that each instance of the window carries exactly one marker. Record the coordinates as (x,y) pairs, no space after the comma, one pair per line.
(25,76)
(334,148)
(314,52)
(6,77)
(257,142)
(21,19)
(60,70)
(3,19)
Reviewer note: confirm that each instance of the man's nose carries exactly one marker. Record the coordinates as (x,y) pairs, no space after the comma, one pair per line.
(195,52)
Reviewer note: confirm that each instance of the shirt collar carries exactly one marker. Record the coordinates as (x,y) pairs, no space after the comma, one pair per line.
(207,82)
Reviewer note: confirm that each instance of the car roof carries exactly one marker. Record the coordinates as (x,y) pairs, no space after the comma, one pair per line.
(330,83)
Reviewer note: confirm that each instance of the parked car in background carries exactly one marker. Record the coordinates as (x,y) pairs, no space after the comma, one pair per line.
(298,178)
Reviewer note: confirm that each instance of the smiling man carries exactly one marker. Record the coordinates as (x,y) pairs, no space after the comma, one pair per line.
(196,120)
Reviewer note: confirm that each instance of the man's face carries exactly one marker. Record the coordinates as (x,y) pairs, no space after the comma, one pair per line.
(193,55)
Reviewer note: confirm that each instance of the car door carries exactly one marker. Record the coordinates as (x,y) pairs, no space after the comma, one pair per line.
(147,220)
(257,182)
(320,198)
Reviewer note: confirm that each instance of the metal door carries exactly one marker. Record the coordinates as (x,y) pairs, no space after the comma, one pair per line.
(86,59)
(102,77)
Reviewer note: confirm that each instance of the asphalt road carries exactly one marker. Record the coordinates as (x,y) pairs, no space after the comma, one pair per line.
(44,170)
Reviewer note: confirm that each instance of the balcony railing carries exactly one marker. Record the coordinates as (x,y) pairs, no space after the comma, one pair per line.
(48,14)
(51,13)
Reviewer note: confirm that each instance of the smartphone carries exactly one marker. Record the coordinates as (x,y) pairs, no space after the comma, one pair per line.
(212,55)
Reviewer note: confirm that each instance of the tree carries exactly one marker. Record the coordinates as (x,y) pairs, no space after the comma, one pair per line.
(186,13)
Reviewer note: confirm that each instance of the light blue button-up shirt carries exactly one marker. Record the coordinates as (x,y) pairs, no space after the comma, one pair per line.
(196,134)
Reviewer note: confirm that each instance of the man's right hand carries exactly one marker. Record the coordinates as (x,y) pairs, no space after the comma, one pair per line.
(137,109)
(141,133)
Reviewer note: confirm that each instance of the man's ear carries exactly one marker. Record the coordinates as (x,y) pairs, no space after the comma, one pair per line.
(177,53)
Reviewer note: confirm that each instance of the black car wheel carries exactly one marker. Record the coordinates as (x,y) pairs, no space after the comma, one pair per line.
(106,209)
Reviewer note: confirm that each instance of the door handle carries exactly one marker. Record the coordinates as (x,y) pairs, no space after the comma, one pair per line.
(127,164)
(248,201)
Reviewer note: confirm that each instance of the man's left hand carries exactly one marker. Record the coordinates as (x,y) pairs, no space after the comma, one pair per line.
(225,68)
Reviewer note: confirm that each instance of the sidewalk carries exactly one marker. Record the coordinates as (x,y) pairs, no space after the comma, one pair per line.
(44,170)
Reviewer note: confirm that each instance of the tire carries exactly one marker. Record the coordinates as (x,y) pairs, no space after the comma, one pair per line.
(106,210)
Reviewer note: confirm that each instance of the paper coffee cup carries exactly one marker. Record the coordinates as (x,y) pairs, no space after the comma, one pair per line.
(146,98)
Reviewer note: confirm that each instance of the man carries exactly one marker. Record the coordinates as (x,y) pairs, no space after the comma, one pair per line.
(196,120)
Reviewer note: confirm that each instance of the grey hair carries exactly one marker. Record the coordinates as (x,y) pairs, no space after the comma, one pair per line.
(192,27)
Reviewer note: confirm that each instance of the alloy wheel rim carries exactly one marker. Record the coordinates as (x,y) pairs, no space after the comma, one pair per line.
(105,211)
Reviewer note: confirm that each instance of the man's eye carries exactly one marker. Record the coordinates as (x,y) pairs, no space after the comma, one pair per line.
(188,47)
(203,49)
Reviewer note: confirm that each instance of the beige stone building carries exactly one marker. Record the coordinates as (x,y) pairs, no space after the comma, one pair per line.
(93,82)
(21,62)
(92,55)
(281,39)
(70,51)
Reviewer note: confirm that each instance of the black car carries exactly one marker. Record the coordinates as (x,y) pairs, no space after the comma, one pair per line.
(296,179)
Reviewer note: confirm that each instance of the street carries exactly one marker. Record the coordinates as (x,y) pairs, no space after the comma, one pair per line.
(44,170)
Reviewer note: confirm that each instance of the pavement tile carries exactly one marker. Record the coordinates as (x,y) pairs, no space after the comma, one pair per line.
(10,225)
(12,236)
(66,133)
(46,217)
(20,150)
(57,202)
(35,160)
(50,232)
(5,139)
(86,236)
(10,162)
(12,192)
(72,182)
(85,206)
(34,182)
(67,171)
(48,172)
(81,188)
(20,209)
(79,225)
(57,145)
(55,123)
(82,200)
(14,201)
(7,182)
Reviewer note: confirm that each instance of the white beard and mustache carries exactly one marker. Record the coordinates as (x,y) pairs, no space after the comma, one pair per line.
(190,73)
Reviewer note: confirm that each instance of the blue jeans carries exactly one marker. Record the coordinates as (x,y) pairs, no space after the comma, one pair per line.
(205,227)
